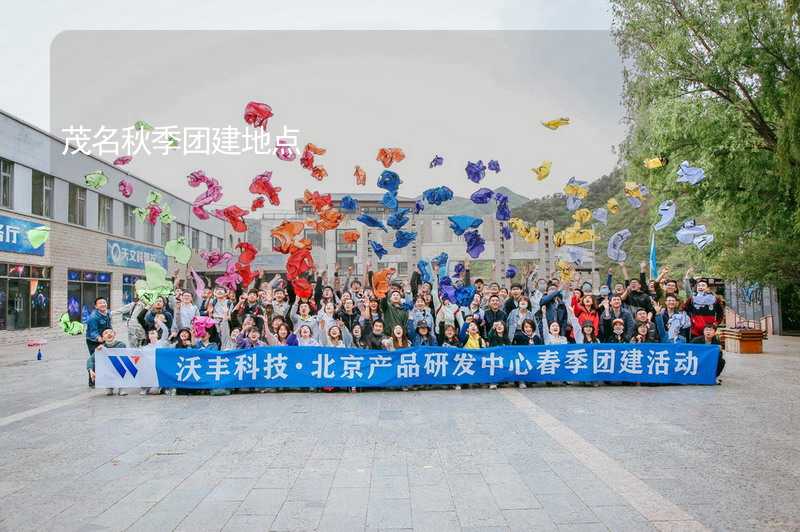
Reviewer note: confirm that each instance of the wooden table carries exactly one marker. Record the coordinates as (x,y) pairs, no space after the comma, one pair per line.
(743,340)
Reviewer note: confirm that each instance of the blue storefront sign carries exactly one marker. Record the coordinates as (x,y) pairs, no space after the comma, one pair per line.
(14,236)
(130,255)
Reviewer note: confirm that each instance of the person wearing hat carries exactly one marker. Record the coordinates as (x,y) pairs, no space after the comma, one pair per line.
(617,335)
(422,334)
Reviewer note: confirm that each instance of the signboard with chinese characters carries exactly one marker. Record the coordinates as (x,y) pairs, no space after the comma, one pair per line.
(315,367)
(14,236)
(129,255)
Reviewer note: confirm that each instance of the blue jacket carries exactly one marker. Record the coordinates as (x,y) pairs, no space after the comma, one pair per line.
(95,326)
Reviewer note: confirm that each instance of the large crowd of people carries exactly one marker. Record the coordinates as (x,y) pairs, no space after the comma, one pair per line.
(345,311)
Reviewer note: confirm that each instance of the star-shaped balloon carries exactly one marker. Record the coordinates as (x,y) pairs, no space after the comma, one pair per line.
(475,171)
(361,176)
(525,230)
(482,196)
(666,213)
(577,188)
(503,213)
(351,237)
(615,243)
(369,221)
(165,216)
(494,166)
(38,236)
(505,231)
(475,243)
(582,215)
(404,238)
(72,328)
(689,230)
(425,271)
(349,204)
(437,195)
(460,223)
(556,123)
(398,219)
(319,172)
(463,295)
(247,252)
(215,257)
(543,170)
(262,184)
(96,180)
(601,215)
(178,250)
(377,248)
(154,285)
(257,114)
(125,188)
(655,162)
(573,202)
(437,160)
(235,216)
(690,174)
(389,200)
(284,151)
(380,282)
(389,181)
(388,156)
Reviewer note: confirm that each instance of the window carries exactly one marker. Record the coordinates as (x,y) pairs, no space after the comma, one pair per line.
(129,227)
(166,232)
(195,241)
(317,240)
(402,268)
(6,183)
(105,214)
(180,230)
(209,242)
(219,243)
(83,287)
(149,232)
(24,296)
(42,194)
(77,205)
(128,290)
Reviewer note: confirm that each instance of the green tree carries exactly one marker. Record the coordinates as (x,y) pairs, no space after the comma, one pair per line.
(717,83)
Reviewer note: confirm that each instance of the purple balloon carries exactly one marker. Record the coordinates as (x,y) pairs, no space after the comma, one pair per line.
(482,196)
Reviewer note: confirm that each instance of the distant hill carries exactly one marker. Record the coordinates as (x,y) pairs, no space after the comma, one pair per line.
(639,221)
(459,205)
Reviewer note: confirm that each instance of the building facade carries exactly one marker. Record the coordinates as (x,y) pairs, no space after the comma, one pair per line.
(434,236)
(96,247)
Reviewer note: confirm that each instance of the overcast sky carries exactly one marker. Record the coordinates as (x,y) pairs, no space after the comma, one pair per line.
(466,95)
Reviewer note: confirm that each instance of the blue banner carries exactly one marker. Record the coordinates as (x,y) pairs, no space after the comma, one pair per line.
(14,236)
(129,255)
(315,367)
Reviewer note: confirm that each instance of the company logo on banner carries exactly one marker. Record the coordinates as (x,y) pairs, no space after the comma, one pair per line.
(130,255)
(312,367)
(14,236)
(125,368)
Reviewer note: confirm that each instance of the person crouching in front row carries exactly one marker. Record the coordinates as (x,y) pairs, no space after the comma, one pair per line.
(110,341)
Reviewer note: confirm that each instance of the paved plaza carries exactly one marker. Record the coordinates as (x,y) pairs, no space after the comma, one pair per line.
(566,458)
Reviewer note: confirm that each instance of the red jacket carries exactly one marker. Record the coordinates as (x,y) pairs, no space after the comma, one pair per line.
(583,314)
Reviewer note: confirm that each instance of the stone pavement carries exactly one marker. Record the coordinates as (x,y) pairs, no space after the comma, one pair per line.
(567,458)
